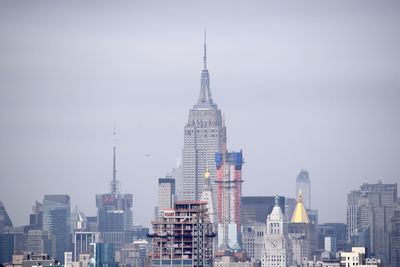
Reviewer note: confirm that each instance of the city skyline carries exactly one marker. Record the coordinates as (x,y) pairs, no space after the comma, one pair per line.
(313,104)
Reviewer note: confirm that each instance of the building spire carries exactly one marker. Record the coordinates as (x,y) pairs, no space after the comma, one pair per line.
(276,200)
(205,50)
(300,213)
(114,182)
(205,99)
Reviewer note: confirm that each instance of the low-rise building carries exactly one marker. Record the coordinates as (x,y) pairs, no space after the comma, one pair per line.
(357,257)
(227,261)
(29,259)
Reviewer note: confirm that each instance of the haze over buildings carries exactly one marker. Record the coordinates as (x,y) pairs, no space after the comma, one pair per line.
(304,85)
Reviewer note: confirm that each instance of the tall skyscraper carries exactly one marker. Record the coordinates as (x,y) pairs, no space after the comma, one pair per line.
(166,193)
(176,174)
(395,239)
(56,217)
(277,252)
(204,135)
(303,184)
(114,212)
(6,238)
(11,241)
(229,199)
(5,221)
(36,217)
(369,211)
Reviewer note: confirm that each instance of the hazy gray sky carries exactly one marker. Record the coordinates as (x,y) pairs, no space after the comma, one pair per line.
(302,84)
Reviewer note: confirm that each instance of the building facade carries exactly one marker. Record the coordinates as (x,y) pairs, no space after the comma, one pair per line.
(302,234)
(83,237)
(336,234)
(5,221)
(395,239)
(134,254)
(103,254)
(56,218)
(41,242)
(36,217)
(8,243)
(229,198)
(166,193)
(257,208)
(290,205)
(253,240)
(369,212)
(6,238)
(82,241)
(303,185)
(358,257)
(277,251)
(207,196)
(176,173)
(183,236)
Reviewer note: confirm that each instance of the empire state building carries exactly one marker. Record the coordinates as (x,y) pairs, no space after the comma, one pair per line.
(204,135)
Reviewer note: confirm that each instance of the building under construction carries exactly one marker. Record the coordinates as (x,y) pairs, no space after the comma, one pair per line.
(183,236)
(229,197)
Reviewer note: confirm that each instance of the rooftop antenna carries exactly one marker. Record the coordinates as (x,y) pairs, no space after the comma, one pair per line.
(205,49)
(114,183)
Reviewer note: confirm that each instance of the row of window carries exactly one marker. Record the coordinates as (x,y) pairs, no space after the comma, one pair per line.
(211,135)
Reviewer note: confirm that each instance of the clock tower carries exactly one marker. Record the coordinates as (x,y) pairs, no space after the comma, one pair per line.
(277,252)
